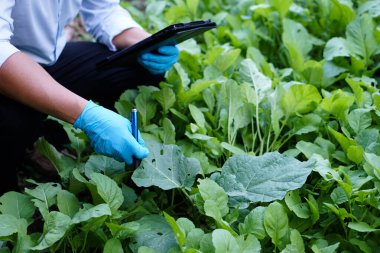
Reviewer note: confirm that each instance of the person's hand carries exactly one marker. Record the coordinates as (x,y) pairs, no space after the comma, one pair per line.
(160,62)
(110,134)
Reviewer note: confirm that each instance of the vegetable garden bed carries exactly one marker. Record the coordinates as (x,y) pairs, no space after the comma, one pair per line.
(264,137)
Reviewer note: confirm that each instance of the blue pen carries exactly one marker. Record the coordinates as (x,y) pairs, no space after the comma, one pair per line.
(135,132)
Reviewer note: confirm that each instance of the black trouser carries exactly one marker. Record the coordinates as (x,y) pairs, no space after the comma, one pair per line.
(75,69)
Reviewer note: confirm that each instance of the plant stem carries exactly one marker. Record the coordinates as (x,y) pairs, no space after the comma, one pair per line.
(258,119)
(268,139)
(84,243)
(254,135)
(172,201)
(279,132)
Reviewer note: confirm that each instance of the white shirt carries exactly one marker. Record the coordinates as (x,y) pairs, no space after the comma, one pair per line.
(35,27)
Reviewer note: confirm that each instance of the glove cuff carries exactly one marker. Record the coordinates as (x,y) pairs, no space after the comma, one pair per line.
(80,121)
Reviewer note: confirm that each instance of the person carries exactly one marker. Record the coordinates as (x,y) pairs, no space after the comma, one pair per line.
(41,74)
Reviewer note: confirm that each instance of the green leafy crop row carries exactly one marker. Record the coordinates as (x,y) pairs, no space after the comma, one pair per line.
(264,137)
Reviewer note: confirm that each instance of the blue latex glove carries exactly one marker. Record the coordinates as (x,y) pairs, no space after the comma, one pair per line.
(110,133)
(160,62)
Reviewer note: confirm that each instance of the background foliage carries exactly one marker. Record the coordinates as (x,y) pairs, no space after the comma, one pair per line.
(264,137)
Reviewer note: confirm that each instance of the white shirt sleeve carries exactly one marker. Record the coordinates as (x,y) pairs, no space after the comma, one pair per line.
(6,30)
(105,19)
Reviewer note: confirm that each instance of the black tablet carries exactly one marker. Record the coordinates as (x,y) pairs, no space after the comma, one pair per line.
(171,35)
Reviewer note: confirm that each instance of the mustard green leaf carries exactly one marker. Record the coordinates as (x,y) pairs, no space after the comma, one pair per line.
(282,6)
(8,225)
(67,203)
(296,244)
(62,163)
(100,163)
(361,38)
(166,97)
(322,246)
(198,116)
(45,192)
(224,242)
(338,196)
(17,204)
(227,59)
(108,190)
(55,227)
(215,199)
(166,167)
(263,178)
(359,119)
(297,41)
(300,98)
(87,214)
(257,80)
(113,245)
(276,222)
(155,233)
(355,153)
(168,133)
(338,104)
(178,232)
(336,47)
(371,7)
(295,204)
(362,227)
(254,223)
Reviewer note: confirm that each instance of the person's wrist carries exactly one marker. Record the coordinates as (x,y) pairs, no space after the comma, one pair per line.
(129,37)
(80,120)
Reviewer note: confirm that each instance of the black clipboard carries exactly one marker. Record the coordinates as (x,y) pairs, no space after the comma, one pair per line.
(171,35)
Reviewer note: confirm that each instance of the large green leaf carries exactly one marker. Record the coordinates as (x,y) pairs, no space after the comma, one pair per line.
(227,59)
(250,73)
(198,116)
(215,199)
(166,167)
(17,204)
(224,242)
(155,233)
(145,104)
(338,104)
(8,225)
(359,119)
(322,246)
(294,203)
(67,203)
(340,14)
(361,38)
(336,47)
(61,162)
(371,7)
(55,227)
(254,223)
(300,98)
(108,189)
(101,163)
(353,151)
(46,193)
(178,232)
(93,212)
(282,6)
(362,227)
(263,178)
(297,41)
(296,245)
(276,222)
(168,133)
(113,245)
(166,98)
